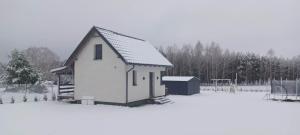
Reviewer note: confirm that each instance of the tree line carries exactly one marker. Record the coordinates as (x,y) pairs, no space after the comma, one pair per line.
(203,61)
(212,62)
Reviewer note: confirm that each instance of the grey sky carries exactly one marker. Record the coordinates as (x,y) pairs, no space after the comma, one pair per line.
(240,25)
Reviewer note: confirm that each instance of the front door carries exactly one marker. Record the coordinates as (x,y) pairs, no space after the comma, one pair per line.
(151,84)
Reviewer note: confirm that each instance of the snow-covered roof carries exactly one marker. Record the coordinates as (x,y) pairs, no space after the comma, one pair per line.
(134,50)
(177,78)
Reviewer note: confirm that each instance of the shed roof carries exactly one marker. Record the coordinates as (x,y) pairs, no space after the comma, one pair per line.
(132,50)
(178,78)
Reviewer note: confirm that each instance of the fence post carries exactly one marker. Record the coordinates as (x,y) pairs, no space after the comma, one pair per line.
(281,87)
(296,88)
(286,90)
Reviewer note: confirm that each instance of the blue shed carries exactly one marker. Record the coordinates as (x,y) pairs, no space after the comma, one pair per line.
(181,85)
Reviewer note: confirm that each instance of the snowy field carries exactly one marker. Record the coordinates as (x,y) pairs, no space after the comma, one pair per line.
(208,113)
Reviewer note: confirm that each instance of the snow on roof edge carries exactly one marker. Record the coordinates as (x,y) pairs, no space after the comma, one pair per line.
(177,78)
(58,69)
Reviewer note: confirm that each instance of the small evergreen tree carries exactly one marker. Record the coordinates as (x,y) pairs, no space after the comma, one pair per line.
(12,100)
(19,70)
(35,99)
(24,99)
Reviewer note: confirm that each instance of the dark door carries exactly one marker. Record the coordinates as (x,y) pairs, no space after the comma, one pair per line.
(151,84)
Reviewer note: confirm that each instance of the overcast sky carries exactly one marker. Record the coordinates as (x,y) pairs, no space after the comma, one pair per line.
(239,25)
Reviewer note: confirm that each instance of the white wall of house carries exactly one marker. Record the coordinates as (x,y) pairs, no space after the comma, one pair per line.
(104,79)
(141,90)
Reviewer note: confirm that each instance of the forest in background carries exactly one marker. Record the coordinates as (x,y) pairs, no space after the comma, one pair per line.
(203,61)
(211,61)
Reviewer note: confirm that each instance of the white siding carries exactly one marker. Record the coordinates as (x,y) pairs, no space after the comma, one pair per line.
(104,79)
(141,90)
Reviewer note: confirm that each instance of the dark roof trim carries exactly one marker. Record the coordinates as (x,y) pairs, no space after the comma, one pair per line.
(109,44)
(79,47)
(72,56)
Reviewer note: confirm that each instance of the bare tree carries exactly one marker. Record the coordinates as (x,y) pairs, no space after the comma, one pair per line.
(210,61)
(43,60)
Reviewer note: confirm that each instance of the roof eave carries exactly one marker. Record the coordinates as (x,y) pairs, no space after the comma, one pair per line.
(71,58)
(110,45)
(156,65)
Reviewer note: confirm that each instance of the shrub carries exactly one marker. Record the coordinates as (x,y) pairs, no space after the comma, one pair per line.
(24,99)
(53,97)
(12,100)
(45,97)
(1,102)
(35,99)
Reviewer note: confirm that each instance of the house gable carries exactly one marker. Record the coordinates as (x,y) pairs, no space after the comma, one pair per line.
(92,33)
(130,49)
(103,78)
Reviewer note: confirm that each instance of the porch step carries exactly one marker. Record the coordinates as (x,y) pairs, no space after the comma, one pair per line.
(65,96)
(161,100)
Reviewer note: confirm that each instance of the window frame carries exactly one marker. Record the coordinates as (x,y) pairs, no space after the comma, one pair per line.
(99,55)
(134,78)
(162,73)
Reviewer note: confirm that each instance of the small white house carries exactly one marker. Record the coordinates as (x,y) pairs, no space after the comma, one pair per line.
(114,68)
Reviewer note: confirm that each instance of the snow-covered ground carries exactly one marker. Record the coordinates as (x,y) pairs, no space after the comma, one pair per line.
(208,113)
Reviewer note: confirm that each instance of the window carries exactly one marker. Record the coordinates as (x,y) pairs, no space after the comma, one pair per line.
(162,73)
(134,78)
(98,52)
